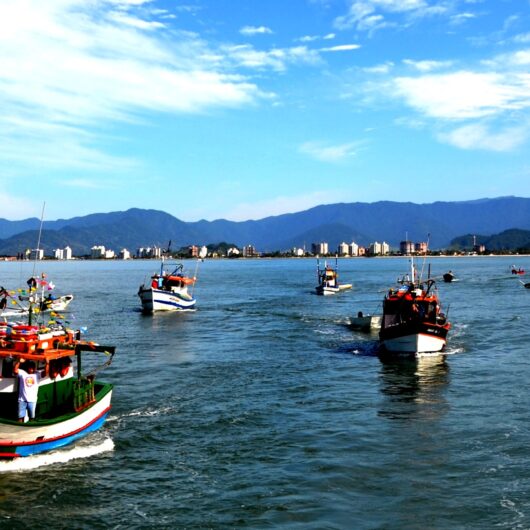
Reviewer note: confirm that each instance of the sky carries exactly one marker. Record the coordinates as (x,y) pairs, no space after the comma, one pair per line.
(242,109)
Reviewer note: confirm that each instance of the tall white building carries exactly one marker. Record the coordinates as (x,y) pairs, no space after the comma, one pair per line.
(67,253)
(125,254)
(97,252)
(320,248)
(344,249)
(354,249)
(58,253)
(37,254)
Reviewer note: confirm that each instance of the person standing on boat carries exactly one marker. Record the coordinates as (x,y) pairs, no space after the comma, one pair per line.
(28,389)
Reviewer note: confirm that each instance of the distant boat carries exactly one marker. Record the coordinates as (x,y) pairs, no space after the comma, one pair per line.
(412,318)
(168,291)
(449,277)
(517,271)
(365,322)
(328,280)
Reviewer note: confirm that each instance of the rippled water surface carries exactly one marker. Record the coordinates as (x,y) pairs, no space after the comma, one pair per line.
(262,409)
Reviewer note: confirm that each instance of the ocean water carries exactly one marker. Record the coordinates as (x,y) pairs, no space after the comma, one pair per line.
(262,409)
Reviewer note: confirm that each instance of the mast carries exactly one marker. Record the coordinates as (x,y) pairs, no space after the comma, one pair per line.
(30,309)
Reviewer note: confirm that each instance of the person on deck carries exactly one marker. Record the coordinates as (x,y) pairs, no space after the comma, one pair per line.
(28,388)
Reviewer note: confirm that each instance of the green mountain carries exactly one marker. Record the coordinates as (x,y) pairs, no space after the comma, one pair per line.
(360,222)
(513,239)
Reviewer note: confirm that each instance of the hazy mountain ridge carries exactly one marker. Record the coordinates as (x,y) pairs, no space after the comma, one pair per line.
(360,222)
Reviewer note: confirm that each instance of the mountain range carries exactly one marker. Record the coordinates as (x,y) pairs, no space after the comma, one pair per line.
(360,222)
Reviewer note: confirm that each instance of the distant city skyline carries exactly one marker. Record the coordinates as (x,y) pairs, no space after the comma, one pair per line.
(211,109)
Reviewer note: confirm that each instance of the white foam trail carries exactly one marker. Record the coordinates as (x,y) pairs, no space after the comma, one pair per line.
(55,457)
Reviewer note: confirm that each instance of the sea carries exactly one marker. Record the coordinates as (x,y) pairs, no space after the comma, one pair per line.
(263,409)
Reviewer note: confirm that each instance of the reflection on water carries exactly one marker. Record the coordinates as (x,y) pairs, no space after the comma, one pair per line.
(414,387)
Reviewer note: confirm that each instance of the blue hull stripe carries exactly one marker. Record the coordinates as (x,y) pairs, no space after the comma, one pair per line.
(27,450)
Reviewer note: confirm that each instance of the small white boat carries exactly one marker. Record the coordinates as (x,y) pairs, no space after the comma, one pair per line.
(365,322)
(167,292)
(56,304)
(328,280)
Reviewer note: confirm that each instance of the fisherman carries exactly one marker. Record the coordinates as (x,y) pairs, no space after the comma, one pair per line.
(28,388)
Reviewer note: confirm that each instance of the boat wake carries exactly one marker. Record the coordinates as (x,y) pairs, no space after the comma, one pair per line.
(56,457)
(142,413)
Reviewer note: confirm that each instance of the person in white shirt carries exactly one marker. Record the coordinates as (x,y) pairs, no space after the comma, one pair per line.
(28,389)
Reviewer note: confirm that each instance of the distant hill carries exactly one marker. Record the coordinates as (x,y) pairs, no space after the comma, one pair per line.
(360,222)
(513,239)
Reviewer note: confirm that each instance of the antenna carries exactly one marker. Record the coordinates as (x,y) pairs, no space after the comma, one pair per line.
(38,241)
(425,255)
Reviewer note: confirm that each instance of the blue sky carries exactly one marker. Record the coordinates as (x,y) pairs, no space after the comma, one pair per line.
(240,109)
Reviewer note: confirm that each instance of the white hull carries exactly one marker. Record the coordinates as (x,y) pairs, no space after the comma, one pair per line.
(366,323)
(415,343)
(159,300)
(326,291)
(60,304)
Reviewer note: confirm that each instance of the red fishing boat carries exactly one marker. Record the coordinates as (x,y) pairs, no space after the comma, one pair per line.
(412,318)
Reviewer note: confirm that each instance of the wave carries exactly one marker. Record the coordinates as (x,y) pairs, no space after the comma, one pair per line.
(56,457)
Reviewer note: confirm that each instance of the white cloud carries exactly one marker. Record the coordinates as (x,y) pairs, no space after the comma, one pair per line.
(276,59)
(253,30)
(282,204)
(17,208)
(77,64)
(84,184)
(330,153)
(341,48)
(427,66)
(480,136)
(369,15)
(522,38)
(461,18)
(464,94)
(379,68)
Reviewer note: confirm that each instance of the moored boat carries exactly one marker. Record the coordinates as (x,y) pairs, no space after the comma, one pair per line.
(412,318)
(328,280)
(70,403)
(168,291)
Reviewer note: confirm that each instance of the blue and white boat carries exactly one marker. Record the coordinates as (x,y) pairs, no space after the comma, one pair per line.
(168,291)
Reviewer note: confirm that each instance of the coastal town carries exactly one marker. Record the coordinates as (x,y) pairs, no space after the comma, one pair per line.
(223,250)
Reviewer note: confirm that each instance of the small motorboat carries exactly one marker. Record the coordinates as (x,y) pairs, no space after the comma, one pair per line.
(412,318)
(517,271)
(51,303)
(328,280)
(449,277)
(364,322)
(168,291)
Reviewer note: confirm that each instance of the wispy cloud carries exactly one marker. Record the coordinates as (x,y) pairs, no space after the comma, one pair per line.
(330,153)
(16,207)
(480,136)
(485,101)
(278,59)
(341,48)
(255,30)
(282,204)
(370,15)
(427,66)
(80,65)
